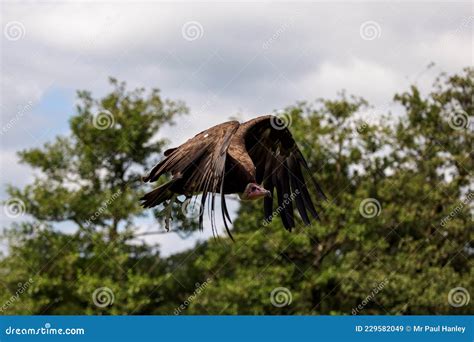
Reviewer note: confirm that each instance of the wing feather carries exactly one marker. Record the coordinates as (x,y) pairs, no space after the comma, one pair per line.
(200,162)
(279,165)
(270,186)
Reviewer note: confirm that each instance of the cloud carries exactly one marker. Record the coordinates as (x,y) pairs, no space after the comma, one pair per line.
(357,77)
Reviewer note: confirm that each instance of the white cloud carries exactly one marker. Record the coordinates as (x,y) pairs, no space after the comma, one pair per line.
(356,77)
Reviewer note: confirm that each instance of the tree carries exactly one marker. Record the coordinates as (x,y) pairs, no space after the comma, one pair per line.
(396,234)
(90,182)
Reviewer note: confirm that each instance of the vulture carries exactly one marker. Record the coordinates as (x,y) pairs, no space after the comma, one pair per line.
(254,159)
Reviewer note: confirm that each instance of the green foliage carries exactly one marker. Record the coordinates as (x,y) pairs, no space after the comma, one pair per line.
(111,143)
(90,182)
(403,257)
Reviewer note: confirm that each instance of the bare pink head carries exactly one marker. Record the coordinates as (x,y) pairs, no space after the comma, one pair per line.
(254,191)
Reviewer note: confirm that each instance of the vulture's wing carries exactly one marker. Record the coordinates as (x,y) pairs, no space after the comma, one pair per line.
(200,162)
(280,165)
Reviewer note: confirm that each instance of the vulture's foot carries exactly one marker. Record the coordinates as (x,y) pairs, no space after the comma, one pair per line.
(168,210)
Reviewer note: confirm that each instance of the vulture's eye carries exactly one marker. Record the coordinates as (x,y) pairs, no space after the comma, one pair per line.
(253,188)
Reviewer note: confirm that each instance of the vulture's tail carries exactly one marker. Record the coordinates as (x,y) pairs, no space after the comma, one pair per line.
(158,195)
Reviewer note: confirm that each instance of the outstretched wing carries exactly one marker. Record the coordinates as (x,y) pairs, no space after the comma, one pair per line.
(200,164)
(280,166)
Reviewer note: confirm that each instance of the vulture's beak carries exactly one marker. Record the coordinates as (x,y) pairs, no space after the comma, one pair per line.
(254,192)
(260,192)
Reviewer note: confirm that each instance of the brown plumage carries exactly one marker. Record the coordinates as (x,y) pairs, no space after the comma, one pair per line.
(235,158)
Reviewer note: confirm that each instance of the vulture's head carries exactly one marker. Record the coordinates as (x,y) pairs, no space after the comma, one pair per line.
(254,191)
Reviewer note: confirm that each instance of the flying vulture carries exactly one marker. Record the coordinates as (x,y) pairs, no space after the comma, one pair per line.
(254,159)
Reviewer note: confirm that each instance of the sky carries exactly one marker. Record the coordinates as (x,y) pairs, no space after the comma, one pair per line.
(227,59)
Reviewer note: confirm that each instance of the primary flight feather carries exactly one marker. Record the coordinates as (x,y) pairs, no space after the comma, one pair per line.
(254,159)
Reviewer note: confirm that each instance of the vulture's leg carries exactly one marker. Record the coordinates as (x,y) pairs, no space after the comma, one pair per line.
(168,211)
